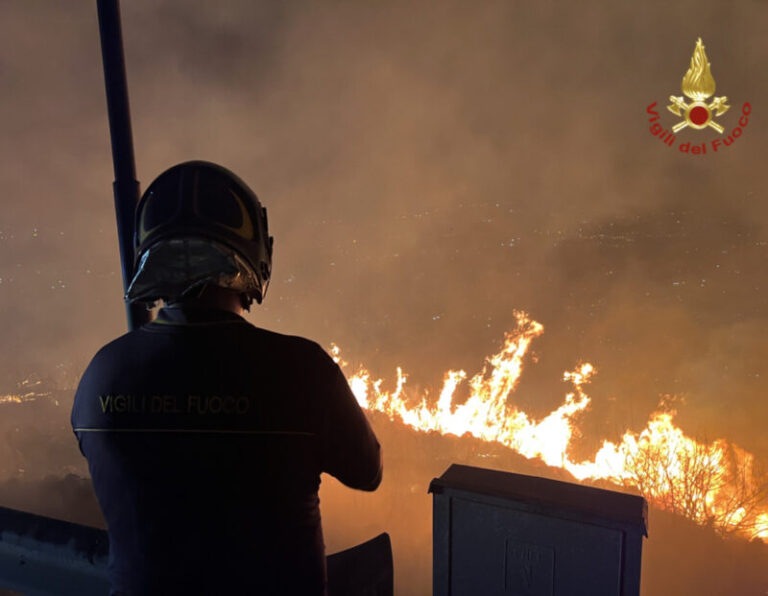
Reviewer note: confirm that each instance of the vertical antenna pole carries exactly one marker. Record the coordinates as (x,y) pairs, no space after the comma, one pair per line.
(125,186)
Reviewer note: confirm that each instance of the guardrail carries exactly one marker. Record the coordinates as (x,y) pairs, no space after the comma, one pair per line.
(42,556)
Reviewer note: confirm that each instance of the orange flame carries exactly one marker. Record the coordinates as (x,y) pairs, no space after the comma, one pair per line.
(712,484)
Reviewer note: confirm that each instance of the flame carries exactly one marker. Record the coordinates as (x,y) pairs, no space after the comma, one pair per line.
(712,484)
(698,83)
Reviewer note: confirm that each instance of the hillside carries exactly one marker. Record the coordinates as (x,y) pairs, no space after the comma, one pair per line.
(679,557)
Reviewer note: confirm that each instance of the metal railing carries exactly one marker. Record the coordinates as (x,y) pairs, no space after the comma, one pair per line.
(42,556)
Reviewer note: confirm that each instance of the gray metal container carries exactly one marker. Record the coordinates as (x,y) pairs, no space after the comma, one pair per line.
(498,533)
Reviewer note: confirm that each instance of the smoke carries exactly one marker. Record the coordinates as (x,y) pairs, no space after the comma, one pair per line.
(428,167)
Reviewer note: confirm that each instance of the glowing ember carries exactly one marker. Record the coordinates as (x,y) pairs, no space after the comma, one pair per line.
(712,484)
(12,399)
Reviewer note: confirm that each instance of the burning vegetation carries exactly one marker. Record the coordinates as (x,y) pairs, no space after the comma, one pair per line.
(715,484)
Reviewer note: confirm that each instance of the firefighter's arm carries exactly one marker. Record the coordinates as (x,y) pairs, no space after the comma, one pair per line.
(351,451)
(82,416)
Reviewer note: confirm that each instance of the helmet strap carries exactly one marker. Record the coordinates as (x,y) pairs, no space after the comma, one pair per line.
(246,301)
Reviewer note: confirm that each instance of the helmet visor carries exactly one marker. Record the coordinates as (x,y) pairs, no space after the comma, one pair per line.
(172,268)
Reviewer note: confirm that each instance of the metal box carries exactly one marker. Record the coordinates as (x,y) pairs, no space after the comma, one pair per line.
(497,533)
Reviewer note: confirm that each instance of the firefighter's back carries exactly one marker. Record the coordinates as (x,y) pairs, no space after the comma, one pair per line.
(204,437)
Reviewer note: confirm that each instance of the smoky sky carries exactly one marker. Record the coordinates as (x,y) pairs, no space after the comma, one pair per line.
(428,168)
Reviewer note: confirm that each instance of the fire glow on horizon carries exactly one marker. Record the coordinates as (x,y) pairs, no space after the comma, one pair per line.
(712,484)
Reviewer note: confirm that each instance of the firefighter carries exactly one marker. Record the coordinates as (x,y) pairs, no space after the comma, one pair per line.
(205,435)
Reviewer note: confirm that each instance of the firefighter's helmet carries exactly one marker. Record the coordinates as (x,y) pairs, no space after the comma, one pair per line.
(199,223)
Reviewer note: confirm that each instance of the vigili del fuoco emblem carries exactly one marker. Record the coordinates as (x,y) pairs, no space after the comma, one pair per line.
(698,86)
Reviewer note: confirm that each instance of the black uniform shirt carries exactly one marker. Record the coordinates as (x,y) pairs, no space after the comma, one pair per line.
(205,437)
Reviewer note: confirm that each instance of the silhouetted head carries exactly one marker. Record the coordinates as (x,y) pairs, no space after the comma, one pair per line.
(199,225)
